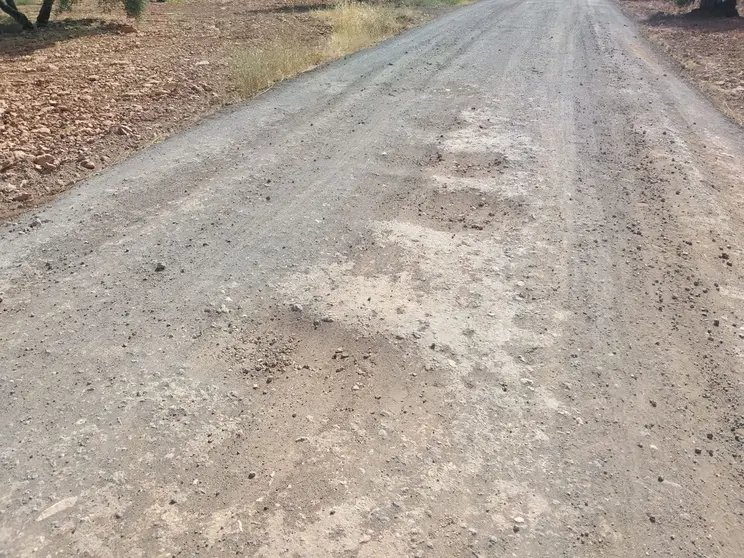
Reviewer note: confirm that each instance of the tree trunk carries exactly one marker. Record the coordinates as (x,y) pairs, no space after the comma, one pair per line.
(12,4)
(719,8)
(44,13)
(19,17)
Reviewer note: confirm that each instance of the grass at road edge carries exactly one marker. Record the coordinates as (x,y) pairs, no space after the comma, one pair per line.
(354,26)
(257,70)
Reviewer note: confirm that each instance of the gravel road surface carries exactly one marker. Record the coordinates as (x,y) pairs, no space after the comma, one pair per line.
(475,292)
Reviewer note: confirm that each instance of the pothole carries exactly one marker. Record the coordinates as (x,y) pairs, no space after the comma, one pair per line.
(472,164)
(454,210)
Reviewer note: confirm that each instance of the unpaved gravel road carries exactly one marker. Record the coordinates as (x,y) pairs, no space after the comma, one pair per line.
(475,292)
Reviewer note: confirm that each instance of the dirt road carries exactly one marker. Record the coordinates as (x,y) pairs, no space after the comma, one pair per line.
(475,292)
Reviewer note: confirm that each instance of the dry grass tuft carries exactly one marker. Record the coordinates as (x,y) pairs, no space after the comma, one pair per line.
(354,26)
(255,71)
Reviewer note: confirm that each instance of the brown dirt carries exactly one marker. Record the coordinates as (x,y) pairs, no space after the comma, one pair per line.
(94,87)
(710,51)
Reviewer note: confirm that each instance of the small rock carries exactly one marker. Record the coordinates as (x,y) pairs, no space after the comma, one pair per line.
(159,267)
(123,130)
(87,164)
(301,439)
(45,163)
(295,307)
(519,519)
(252,475)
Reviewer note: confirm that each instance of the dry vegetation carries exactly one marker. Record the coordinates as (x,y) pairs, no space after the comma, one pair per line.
(353,26)
(709,51)
(357,26)
(258,69)
(94,87)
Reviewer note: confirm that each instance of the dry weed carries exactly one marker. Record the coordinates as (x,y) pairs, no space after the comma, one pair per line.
(354,26)
(254,71)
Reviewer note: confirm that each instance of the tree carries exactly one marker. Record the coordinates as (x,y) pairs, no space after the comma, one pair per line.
(133,8)
(10,8)
(713,8)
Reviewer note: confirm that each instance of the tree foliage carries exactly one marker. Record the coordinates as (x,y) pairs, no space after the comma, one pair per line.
(133,8)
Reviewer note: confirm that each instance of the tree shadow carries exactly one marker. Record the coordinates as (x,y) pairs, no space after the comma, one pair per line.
(296,9)
(15,42)
(695,20)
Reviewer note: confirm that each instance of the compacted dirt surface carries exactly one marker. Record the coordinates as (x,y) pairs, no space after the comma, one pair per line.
(475,292)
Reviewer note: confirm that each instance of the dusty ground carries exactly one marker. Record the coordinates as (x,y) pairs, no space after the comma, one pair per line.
(475,292)
(709,51)
(88,91)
